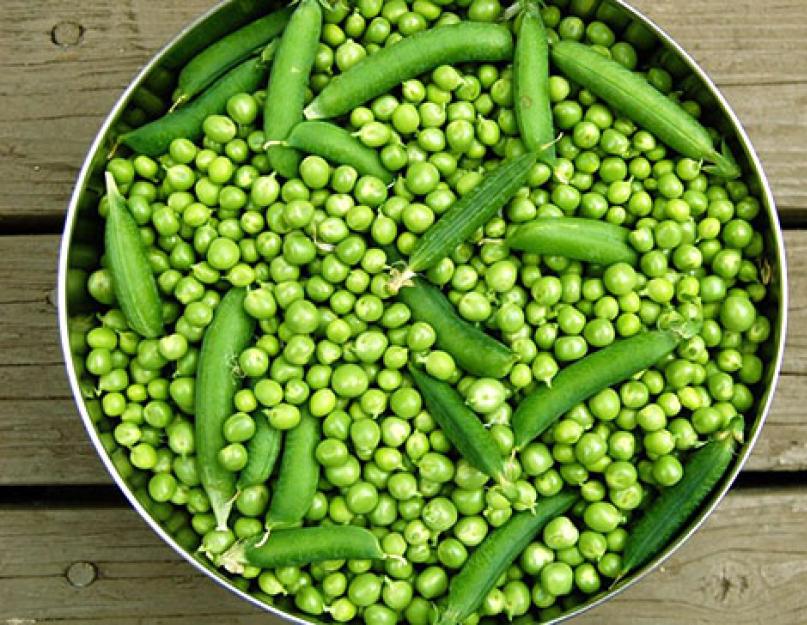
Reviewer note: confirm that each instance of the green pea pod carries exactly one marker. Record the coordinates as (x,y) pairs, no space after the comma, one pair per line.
(154,138)
(474,351)
(588,240)
(216,384)
(531,88)
(410,57)
(582,379)
(676,504)
(637,99)
(224,54)
(469,213)
(299,475)
(496,553)
(263,450)
(338,146)
(460,425)
(288,82)
(305,545)
(132,279)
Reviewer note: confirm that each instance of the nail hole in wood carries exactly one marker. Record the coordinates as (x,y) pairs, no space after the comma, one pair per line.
(81,574)
(67,34)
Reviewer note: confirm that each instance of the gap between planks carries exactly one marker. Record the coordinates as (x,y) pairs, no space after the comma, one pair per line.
(747,563)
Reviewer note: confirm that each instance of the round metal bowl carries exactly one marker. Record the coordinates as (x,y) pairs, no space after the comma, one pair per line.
(81,246)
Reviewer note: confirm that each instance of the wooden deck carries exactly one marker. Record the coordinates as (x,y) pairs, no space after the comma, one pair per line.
(73,553)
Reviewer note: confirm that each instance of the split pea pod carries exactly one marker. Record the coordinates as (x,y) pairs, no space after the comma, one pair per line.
(298,476)
(587,240)
(216,383)
(154,138)
(132,279)
(496,553)
(305,545)
(408,58)
(226,53)
(468,214)
(288,82)
(475,351)
(668,513)
(531,88)
(338,146)
(582,379)
(460,425)
(638,100)
(263,450)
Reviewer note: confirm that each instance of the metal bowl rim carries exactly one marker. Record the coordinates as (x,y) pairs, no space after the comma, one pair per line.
(715,497)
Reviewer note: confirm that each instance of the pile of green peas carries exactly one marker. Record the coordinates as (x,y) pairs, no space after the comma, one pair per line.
(333,340)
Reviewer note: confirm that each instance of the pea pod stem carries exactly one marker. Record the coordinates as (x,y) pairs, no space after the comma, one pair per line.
(496,553)
(588,240)
(299,546)
(638,100)
(411,57)
(582,379)
(132,278)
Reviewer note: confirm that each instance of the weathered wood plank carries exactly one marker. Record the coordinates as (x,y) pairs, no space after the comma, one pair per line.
(749,562)
(63,64)
(38,418)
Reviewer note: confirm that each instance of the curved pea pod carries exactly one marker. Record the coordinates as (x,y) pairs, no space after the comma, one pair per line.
(263,450)
(468,214)
(588,240)
(582,379)
(338,146)
(298,477)
(305,545)
(474,351)
(154,138)
(389,67)
(496,553)
(531,88)
(288,82)
(637,99)
(460,425)
(224,54)
(132,279)
(668,513)
(216,383)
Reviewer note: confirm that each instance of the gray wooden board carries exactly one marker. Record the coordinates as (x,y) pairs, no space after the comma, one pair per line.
(748,565)
(63,64)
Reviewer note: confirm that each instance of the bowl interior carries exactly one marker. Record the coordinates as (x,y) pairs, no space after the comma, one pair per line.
(82,241)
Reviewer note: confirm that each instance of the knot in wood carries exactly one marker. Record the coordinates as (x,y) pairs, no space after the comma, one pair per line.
(67,34)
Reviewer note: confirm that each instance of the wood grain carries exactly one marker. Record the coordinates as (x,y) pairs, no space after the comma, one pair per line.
(724,574)
(38,418)
(63,64)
